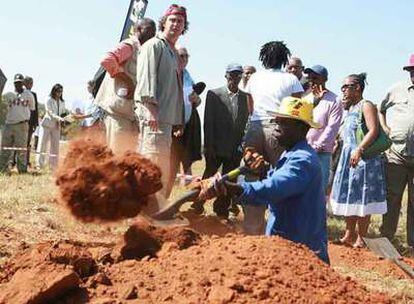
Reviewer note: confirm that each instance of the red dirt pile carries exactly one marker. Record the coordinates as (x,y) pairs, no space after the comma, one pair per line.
(96,185)
(237,269)
(231,269)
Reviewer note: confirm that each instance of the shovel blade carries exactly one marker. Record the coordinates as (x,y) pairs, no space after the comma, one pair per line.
(382,247)
(156,204)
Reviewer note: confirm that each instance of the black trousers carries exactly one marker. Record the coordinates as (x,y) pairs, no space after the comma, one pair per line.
(221,205)
(29,139)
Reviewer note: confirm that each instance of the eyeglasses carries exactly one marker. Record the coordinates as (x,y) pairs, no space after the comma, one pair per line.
(184,55)
(347,87)
(297,67)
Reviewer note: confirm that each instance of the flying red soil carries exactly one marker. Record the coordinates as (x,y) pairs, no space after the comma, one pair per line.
(177,265)
(96,185)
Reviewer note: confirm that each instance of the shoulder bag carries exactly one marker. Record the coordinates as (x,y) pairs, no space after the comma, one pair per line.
(381,144)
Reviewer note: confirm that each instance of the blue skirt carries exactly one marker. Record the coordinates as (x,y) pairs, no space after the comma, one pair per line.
(359,191)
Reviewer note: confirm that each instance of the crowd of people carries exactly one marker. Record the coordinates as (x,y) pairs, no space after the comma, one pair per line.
(305,146)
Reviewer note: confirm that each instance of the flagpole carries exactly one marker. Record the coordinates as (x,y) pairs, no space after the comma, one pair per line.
(136,10)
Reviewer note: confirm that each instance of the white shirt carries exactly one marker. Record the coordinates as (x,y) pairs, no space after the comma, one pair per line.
(268,88)
(234,99)
(19,106)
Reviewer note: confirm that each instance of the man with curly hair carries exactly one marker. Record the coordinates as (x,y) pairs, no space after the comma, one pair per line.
(159,92)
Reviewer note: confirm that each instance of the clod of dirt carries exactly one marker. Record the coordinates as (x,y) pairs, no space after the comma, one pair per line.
(41,284)
(144,239)
(77,256)
(210,225)
(96,185)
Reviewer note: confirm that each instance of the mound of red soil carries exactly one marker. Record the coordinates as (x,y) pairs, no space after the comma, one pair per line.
(96,185)
(236,269)
(231,269)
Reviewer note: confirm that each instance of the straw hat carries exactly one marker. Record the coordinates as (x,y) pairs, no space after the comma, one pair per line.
(297,108)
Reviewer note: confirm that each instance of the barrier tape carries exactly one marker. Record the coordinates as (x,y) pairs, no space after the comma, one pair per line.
(26,149)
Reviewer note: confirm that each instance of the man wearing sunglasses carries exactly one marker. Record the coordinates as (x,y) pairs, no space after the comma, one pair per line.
(186,146)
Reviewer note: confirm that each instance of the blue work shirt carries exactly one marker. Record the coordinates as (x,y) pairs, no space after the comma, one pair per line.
(294,194)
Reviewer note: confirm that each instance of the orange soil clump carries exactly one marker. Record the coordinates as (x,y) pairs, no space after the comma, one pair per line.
(96,185)
(176,265)
(144,239)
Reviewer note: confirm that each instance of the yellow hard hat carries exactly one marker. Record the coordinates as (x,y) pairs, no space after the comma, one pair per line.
(297,108)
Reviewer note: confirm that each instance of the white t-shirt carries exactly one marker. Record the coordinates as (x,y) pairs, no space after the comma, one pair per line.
(19,106)
(268,88)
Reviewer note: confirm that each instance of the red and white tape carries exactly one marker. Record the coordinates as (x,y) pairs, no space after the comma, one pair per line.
(25,150)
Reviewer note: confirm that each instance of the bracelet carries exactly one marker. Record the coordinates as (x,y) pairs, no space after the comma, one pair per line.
(360,149)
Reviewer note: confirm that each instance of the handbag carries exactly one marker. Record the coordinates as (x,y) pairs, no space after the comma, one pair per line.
(381,144)
(48,123)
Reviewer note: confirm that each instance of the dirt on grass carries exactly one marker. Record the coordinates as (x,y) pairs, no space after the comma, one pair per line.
(96,185)
(364,259)
(152,264)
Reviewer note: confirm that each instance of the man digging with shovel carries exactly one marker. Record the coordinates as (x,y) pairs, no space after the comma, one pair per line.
(293,190)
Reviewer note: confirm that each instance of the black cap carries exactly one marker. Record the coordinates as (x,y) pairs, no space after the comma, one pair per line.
(18,78)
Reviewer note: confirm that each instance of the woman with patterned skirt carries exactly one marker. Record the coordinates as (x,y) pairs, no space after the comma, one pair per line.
(359,184)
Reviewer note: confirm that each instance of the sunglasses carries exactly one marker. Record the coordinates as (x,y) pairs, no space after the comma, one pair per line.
(347,87)
(184,55)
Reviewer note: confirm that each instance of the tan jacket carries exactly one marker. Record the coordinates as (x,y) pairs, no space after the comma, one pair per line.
(108,95)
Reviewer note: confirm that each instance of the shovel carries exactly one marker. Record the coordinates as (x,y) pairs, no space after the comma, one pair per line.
(168,211)
(383,248)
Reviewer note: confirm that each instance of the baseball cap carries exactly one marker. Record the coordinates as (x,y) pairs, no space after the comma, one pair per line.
(410,63)
(234,67)
(318,69)
(18,78)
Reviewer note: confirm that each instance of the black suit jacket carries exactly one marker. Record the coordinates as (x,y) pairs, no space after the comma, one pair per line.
(222,134)
(34,115)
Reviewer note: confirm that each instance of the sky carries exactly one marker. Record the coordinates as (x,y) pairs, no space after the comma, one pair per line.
(61,41)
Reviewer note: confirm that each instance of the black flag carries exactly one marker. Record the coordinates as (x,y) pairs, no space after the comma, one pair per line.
(3,80)
(136,11)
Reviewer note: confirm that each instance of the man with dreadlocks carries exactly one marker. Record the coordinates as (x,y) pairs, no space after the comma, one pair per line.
(266,89)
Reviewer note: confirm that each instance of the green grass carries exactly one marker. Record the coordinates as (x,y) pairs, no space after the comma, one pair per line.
(398,289)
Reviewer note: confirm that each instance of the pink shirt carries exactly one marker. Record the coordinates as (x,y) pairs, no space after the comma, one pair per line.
(328,113)
(114,59)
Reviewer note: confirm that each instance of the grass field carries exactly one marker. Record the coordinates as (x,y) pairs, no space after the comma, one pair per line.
(29,214)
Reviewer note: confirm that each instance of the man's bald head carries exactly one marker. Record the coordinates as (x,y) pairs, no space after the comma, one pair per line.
(183,54)
(145,29)
(248,70)
(28,82)
(295,67)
